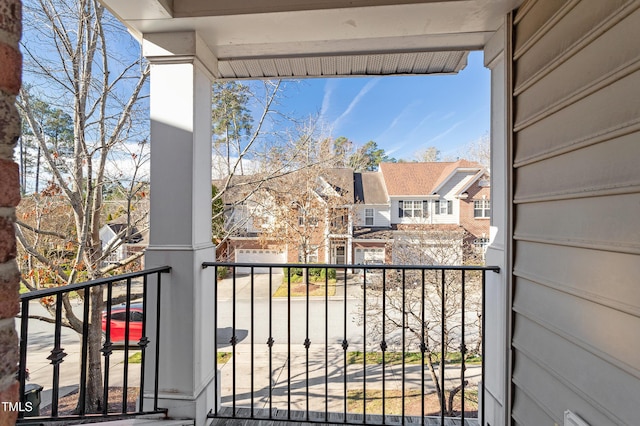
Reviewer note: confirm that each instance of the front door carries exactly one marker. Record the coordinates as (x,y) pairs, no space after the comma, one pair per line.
(338,253)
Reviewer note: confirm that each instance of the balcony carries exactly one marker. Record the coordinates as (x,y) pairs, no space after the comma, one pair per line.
(301,343)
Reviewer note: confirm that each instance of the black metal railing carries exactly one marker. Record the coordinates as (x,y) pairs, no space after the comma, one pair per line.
(51,320)
(335,344)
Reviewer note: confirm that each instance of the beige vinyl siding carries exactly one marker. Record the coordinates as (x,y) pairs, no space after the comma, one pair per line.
(576,155)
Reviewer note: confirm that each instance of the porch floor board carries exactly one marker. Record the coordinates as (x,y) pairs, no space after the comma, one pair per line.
(242,416)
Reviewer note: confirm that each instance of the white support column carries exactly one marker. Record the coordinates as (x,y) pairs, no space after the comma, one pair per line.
(182,69)
(498,306)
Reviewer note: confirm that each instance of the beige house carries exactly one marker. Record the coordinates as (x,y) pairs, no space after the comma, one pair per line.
(450,200)
(563,312)
(304,216)
(356,217)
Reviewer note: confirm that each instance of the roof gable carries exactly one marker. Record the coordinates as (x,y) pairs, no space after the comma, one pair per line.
(403,179)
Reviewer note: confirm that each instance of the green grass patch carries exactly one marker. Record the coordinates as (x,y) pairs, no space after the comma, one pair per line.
(317,287)
(394,358)
(136,358)
(223,357)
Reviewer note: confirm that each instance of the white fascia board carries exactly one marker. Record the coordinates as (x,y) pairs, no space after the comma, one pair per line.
(471,182)
(375,240)
(421,196)
(452,174)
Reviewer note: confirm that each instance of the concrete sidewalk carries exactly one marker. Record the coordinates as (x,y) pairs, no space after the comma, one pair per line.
(291,377)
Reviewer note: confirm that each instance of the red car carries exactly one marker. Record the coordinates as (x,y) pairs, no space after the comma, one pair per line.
(119,324)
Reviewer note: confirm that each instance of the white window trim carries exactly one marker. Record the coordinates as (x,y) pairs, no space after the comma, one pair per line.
(368,214)
(484,209)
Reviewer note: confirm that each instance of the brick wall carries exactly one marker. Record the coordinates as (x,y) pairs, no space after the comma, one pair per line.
(10,80)
(476,227)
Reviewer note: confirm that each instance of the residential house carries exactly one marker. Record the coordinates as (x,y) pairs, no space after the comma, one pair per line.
(447,201)
(353,218)
(297,217)
(372,219)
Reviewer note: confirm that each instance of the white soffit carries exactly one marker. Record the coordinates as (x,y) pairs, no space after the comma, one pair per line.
(347,65)
(299,38)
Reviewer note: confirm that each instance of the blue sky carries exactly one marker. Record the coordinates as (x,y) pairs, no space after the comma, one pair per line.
(403,114)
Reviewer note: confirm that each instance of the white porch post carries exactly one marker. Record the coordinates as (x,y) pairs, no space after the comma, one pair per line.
(498,296)
(182,68)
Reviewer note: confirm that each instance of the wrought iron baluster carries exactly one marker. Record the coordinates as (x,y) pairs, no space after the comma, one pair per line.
(84,352)
(307,344)
(56,357)
(463,348)
(233,342)
(345,345)
(24,337)
(270,341)
(156,388)
(288,343)
(423,347)
(107,350)
(127,335)
(442,348)
(143,342)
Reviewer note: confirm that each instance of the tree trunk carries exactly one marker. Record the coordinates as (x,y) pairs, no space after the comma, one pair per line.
(94,393)
(38,171)
(452,394)
(434,379)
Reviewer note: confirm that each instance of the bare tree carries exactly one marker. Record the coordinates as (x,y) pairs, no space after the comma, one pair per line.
(428,155)
(415,303)
(70,59)
(303,207)
(247,192)
(478,150)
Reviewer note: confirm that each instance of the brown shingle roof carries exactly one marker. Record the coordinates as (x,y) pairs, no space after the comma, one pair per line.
(241,187)
(419,178)
(369,187)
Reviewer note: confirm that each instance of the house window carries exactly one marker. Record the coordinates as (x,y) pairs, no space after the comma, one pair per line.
(368,217)
(411,209)
(481,208)
(312,255)
(444,207)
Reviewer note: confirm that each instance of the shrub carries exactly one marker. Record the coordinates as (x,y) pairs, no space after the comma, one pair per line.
(222,272)
(292,271)
(315,274)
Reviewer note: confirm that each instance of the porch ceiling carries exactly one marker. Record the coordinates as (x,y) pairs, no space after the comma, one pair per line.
(300,38)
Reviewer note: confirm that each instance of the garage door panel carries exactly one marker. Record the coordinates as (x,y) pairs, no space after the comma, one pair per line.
(257,257)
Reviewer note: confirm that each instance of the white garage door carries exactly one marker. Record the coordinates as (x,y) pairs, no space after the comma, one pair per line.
(365,254)
(258,256)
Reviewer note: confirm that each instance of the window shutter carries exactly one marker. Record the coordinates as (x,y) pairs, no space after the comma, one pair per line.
(437,206)
(449,207)
(425,208)
(400,210)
